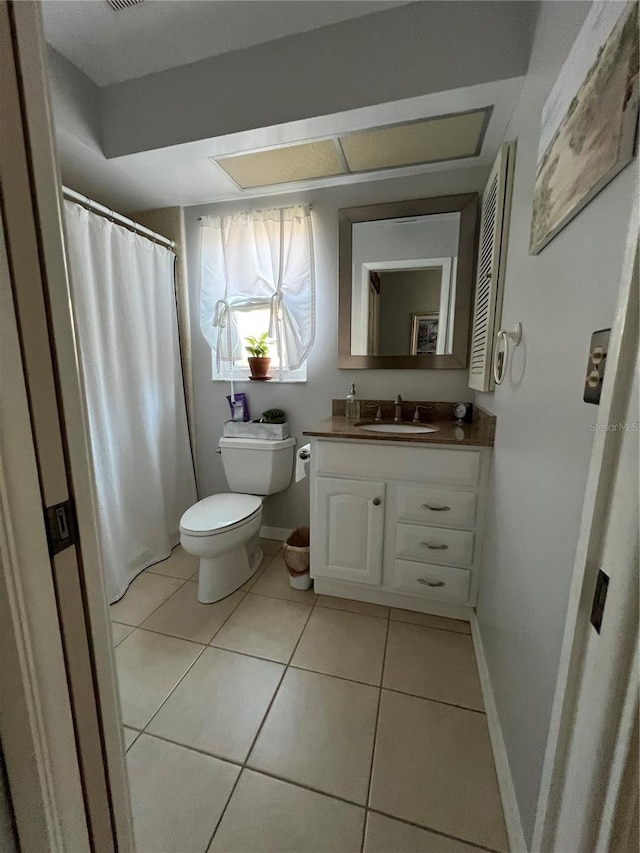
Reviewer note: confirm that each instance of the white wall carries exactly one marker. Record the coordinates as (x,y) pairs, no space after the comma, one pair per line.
(543,440)
(308,404)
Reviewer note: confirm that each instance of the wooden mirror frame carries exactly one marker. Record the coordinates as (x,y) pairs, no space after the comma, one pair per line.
(467,206)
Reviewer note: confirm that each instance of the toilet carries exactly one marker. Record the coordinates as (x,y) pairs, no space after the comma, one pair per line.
(223,530)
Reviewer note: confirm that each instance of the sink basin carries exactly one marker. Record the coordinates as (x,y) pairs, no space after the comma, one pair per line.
(398,428)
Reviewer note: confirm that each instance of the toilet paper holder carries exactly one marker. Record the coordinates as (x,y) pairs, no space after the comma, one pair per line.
(303,453)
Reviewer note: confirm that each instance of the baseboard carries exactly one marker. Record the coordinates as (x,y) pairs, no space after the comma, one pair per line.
(280,533)
(517,843)
(389,598)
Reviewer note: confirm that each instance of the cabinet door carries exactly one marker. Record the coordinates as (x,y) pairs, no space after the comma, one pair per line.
(350,522)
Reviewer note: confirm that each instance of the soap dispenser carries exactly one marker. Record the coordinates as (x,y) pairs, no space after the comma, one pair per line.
(352,404)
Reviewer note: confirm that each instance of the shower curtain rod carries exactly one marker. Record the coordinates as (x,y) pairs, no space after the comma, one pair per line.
(101,210)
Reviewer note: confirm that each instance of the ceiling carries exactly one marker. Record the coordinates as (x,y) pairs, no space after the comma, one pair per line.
(433,43)
(111,46)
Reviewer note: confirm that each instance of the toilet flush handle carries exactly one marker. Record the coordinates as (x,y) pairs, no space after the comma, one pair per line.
(218,449)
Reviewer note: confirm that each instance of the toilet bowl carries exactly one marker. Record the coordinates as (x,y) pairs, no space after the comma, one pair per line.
(223,530)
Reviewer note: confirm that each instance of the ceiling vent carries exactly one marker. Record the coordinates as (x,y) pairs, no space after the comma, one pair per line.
(118,5)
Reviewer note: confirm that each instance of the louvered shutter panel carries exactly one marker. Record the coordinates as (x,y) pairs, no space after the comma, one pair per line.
(492,253)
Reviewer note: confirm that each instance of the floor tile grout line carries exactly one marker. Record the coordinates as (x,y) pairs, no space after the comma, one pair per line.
(164,633)
(435,831)
(281,598)
(437,701)
(204,648)
(271,775)
(432,627)
(288,664)
(375,735)
(223,812)
(189,639)
(350,612)
(196,749)
(177,589)
(277,690)
(260,727)
(155,608)
(173,689)
(165,575)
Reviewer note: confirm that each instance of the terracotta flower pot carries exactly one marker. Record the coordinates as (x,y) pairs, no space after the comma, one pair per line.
(259,367)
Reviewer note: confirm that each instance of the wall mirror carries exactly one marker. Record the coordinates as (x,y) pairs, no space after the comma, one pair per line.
(406,274)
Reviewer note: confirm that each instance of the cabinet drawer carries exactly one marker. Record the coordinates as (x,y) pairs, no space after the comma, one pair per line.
(440,582)
(437,507)
(389,461)
(434,544)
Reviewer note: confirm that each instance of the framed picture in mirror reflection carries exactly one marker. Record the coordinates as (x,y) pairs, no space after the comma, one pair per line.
(424,333)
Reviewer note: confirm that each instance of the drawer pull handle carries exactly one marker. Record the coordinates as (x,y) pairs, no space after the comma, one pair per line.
(376,501)
(436,508)
(434,547)
(431,583)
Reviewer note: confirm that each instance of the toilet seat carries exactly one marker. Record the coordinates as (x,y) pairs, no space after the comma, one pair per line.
(219,513)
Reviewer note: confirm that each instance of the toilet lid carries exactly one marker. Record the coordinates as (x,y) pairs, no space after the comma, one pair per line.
(219,511)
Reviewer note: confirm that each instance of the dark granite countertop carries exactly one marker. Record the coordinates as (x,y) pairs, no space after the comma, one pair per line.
(479,433)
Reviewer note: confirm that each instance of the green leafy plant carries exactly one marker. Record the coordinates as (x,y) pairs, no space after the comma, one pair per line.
(258,347)
(274,416)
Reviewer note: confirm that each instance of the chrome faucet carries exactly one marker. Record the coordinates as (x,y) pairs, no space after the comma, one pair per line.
(416,414)
(375,406)
(398,410)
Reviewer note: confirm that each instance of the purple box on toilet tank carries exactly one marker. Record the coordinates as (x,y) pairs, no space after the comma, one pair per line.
(240,404)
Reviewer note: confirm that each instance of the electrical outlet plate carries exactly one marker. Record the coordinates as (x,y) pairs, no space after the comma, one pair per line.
(596,366)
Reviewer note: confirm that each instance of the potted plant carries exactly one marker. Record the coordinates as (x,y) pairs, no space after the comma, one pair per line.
(258,361)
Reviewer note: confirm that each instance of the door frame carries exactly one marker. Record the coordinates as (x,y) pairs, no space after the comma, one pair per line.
(60,721)
(621,362)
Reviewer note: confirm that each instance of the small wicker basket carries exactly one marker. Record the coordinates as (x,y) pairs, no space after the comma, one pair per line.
(296,558)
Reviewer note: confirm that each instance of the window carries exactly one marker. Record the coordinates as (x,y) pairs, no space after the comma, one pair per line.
(257,275)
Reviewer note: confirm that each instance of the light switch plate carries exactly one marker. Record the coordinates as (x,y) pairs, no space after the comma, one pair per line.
(596,366)
(599,600)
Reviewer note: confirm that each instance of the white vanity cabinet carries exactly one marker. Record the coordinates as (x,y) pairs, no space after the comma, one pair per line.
(398,523)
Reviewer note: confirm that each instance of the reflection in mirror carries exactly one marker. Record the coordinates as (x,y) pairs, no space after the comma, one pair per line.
(405,283)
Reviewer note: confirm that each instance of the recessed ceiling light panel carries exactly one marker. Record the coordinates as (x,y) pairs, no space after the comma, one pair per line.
(302,162)
(416,143)
(430,141)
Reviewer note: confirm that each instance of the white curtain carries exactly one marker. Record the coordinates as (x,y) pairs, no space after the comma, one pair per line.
(125,314)
(260,258)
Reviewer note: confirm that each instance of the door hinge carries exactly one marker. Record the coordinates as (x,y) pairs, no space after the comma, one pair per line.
(60,521)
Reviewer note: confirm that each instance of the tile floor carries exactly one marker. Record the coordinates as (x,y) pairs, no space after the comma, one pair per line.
(279,720)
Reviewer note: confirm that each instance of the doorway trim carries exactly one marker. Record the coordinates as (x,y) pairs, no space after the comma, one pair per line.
(60,720)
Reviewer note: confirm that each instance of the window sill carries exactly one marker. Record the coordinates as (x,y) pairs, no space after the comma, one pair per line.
(274,381)
(241,374)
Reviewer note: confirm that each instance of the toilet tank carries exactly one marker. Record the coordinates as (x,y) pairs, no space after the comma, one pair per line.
(257,466)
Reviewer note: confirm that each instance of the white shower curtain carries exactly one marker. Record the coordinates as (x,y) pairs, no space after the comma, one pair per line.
(125,313)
